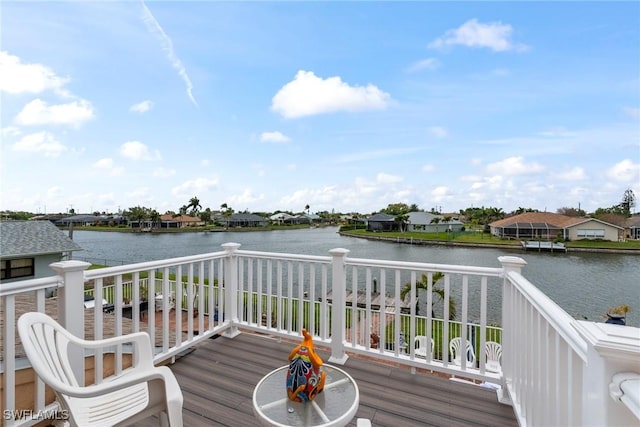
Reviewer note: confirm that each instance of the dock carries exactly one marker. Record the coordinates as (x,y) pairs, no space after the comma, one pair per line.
(376,301)
(536,245)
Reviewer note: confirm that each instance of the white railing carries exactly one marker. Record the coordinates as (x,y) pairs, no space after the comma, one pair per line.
(345,303)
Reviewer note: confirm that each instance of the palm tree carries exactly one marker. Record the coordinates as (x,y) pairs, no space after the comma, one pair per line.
(423,283)
(226,213)
(154,215)
(401,219)
(436,220)
(195,206)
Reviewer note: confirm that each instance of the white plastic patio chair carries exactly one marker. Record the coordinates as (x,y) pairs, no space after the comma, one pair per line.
(420,344)
(138,392)
(493,355)
(454,348)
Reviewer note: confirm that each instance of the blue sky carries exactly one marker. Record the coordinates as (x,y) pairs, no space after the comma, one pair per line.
(342,106)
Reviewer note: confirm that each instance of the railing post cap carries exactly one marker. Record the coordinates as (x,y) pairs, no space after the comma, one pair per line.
(512,261)
(231,246)
(339,251)
(61,267)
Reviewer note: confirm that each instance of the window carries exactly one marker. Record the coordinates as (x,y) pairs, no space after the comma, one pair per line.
(14,268)
(590,234)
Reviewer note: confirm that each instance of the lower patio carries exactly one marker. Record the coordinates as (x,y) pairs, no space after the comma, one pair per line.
(217,380)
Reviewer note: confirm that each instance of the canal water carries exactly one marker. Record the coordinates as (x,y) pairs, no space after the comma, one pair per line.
(583,284)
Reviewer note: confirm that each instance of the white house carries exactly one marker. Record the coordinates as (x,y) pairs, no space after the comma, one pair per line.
(427,222)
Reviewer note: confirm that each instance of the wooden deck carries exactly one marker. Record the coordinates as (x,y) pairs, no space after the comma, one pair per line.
(218,377)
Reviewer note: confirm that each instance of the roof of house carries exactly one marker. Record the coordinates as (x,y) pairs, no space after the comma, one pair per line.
(179,218)
(281,216)
(247,217)
(19,238)
(426,218)
(381,217)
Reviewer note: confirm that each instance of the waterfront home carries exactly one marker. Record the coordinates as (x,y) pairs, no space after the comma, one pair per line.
(429,223)
(382,222)
(243,220)
(27,248)
(632,227)
(180,221)
(549,226)
(553,369)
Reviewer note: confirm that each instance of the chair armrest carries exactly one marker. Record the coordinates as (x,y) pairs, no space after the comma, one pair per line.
(128,379)
(140,340)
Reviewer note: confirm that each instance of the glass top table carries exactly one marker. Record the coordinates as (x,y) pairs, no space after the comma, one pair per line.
(335,406)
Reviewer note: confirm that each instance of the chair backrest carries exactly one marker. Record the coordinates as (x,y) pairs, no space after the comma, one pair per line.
(46,344)
(492,351)
(421,342)
(454,348)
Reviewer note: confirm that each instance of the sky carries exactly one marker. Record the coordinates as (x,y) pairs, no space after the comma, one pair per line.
(342,106)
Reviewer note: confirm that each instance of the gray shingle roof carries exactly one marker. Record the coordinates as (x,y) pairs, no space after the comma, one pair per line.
(18,238)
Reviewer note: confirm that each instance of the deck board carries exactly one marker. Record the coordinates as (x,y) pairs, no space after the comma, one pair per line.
(218,377)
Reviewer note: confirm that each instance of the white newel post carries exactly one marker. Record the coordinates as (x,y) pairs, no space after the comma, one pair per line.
(231,289)
(339,292)
(509,336)
(71,307)
(611,349)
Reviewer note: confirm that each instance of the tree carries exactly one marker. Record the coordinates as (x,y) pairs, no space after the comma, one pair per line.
(567,211)
(195,206)
(401,219)
(628,202)
(137,213)
(226,213)
(206,215)
(436,220)
(154,215)
(306,208)
(396,209)
(437,291)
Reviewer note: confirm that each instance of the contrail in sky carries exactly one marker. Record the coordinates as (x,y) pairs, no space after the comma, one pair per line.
(167,46)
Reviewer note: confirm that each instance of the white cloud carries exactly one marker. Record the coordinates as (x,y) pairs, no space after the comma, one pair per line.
(438,131)
(246,198)
(141,107)
(136,150)
(425,64)
(41,142)
(514,166)
(195,186)
(167,46)
(274,137)
(376,154)
(632,112)
(17,77)
(625,171)
(428,168)
(308,95)
(385,178)
(10,131)
(163,172)
(37,112)
(495,36)
(440,194)
(106,164)
(574,174)
(491,182)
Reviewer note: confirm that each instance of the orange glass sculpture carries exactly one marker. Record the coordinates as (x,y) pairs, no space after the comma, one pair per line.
(305,379)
